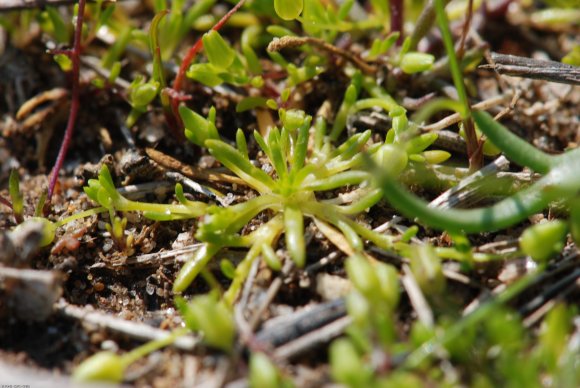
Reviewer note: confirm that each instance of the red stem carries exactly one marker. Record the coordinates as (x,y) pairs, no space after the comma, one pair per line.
(396,8)
(74,106)
(5,202)
(198,45)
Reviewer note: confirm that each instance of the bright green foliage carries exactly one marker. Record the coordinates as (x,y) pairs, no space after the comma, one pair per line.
(382,46)
(109,367)
(173,29)
(226,65)
(264,374)
(573,57)
(218,51)
(544,240)
(559,183)
(103,192)
(103,366)
(197,128)
(289,192)
(347,365)
(301,165)
(415,62)
(204,313)
(141,94)
(16,196)
(288,10)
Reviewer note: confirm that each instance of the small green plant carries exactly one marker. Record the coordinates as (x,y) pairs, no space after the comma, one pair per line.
(49,227)
(211,317)
(103,192)
(288,192)
(371,305)
(264,374)
(544,240)
(111,367)
(141,94)
(16,197)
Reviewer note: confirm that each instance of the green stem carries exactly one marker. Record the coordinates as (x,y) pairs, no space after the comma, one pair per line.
(191,211)
(194,265)
(83,214)
(514,147)
(152,346)
(473,149)
(501,215)
(435,106)
(453,63)
(365,202)
(388,104)
(266,234)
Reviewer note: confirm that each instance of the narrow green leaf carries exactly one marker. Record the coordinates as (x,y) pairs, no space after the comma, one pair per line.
(301,147)
(241,143)
(218,51)
(277,158)
(294,233)
(239,165)
(155,49)
(338,180)
(248,103)
(16,195)
(193,266)
(195,124)
(206,73)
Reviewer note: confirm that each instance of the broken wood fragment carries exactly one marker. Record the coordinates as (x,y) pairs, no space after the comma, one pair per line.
(534,68)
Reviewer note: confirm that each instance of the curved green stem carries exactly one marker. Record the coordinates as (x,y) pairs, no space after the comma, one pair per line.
(434,106)
(365,202)
(515,148)
(388,104)
(501,215)
(83,214)
(152,346)
(338,180)
(189,211)
(194,265)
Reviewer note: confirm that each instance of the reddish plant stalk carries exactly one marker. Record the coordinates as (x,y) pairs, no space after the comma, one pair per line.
(74,55)
(174,121)
(198,45)
(5,202)
(396,7)
(465,30)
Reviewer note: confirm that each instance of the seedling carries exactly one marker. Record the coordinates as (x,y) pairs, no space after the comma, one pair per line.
(16,197)
(289,194)
(109,366)
(211,317)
